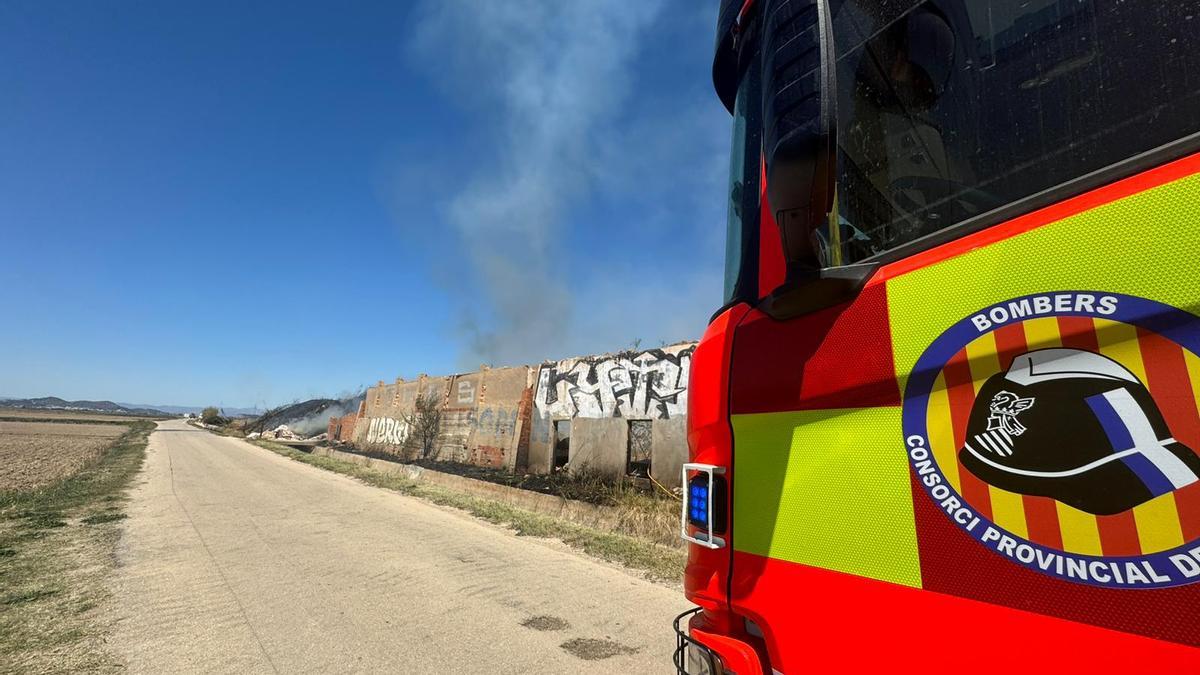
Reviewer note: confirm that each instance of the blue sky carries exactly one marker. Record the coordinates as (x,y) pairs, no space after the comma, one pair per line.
(247,203)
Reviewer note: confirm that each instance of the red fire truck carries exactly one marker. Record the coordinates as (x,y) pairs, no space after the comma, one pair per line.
(948,418)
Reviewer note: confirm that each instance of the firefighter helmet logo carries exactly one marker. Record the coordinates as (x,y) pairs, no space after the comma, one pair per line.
(1050,427)
(1103,448)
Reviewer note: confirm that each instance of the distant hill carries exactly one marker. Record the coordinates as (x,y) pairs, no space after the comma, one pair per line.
(194,409)
(56,403)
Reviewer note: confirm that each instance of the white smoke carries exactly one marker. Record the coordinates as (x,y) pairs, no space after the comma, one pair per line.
(318,422)
(315,422)
(555,76)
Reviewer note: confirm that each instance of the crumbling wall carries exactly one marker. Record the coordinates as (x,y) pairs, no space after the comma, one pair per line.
(504,417)
(458,418)
(481,415)
(341,429)
(524,427)
(346,426)
(383,425)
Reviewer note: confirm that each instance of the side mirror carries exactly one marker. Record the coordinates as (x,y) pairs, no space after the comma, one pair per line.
(799,97)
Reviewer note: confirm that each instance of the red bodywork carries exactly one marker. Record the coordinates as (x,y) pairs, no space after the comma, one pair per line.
(985,616)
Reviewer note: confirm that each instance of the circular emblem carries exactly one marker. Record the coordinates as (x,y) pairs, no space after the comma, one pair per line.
(1061,431)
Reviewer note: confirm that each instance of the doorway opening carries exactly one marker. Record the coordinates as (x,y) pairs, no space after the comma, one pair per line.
(640,440)
(562,444)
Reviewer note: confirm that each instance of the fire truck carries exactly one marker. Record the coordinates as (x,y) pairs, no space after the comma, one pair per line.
(948,418)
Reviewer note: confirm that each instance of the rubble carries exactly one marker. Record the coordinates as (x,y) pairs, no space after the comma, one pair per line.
(280,432)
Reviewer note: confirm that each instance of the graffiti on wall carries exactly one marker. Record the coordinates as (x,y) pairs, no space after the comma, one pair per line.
(497,423)
(387,431)
(490,422)
(651,384)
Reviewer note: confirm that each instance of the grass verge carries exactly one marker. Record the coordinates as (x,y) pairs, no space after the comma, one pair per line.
(644,510)
(657,561)
(56,552)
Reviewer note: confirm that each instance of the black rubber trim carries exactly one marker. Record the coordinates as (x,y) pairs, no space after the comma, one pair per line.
(826,288)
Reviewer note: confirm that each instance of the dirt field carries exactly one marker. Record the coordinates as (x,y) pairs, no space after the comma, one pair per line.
(65,415)
(33,454)
(58,547)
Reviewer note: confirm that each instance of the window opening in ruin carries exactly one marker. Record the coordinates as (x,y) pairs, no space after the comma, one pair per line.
(562,443)
(638,462)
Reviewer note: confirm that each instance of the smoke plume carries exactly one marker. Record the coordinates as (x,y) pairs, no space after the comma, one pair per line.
(552,76)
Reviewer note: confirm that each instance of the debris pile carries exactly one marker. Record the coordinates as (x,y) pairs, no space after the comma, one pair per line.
(281,432)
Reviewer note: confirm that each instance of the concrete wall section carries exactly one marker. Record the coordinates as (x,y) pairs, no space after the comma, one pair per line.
(599,445)
(483,415)
(383,424)
(540,454)
(669,450)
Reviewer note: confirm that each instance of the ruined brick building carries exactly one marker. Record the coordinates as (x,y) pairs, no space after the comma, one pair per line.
(616,414)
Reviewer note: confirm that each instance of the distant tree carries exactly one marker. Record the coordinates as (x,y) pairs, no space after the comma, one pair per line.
(211,415)
(424,423)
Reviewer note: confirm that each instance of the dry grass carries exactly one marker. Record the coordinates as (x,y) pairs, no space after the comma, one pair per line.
(643,512)
(56,553)
(38,453)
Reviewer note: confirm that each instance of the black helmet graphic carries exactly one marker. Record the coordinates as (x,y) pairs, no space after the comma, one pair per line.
(1078,427)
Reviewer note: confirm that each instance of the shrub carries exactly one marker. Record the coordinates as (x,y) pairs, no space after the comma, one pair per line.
(424,424)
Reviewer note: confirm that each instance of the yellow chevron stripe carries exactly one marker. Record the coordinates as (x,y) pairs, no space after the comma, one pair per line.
(1042,333)
(1080,534)
(1158,524)
(1119,342)
(827,488)
(982,359)
(1193,369)
(941,433)
(1008,511)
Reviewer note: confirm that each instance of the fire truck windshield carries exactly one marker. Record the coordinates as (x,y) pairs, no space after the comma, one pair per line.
(949,109)
(737,192)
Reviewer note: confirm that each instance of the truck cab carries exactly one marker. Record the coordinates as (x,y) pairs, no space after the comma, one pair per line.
(949,412)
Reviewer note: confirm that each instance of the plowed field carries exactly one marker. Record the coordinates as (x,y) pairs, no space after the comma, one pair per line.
(33,454)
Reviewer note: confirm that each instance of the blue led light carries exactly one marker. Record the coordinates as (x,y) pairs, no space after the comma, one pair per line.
(698,504)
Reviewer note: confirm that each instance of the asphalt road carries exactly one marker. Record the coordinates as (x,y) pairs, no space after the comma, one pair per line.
(235,559)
